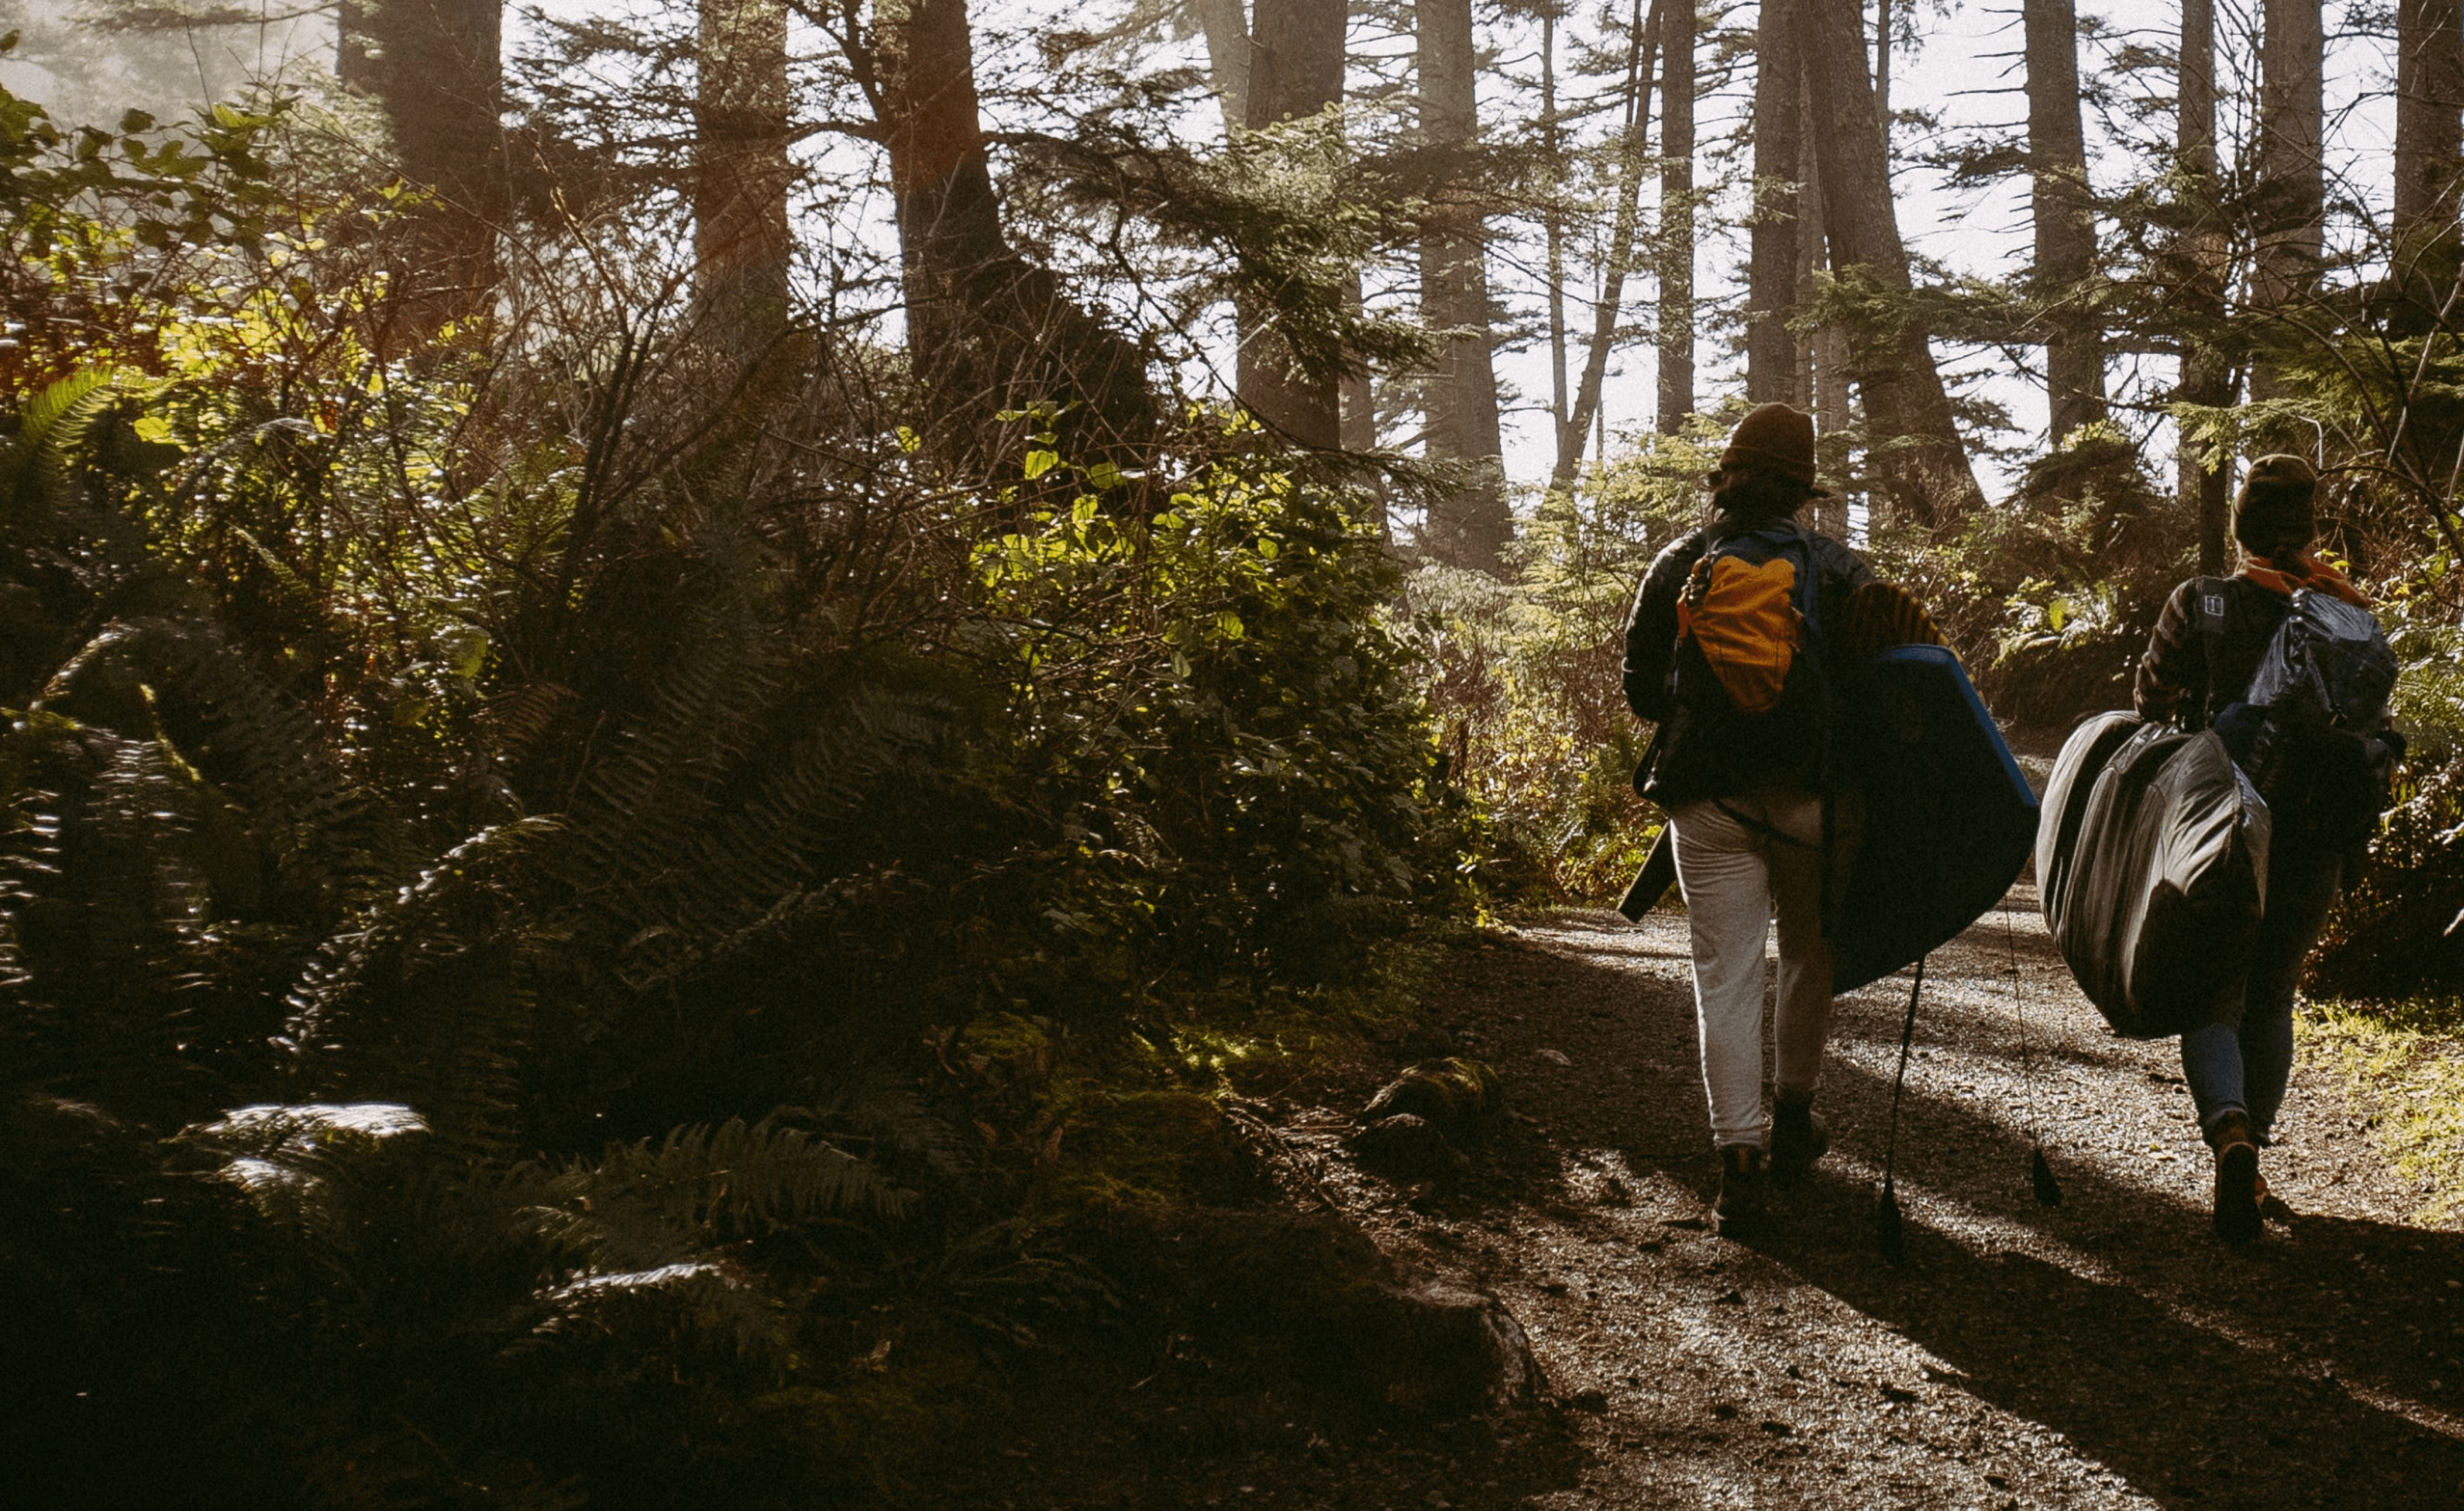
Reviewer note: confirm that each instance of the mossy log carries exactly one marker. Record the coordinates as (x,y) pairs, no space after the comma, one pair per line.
(1462,1097)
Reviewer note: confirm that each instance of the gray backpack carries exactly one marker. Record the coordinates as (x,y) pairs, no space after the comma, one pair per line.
(2313,712)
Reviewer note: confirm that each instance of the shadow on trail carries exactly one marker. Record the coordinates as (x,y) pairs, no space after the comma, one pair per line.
(2288,1375)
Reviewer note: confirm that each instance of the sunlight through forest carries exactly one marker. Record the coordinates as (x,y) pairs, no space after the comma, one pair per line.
(730,726)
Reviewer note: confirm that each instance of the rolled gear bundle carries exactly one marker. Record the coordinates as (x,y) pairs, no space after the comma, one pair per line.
(2152,868)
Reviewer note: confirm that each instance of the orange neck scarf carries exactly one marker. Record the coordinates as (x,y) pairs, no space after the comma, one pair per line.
(2305,570)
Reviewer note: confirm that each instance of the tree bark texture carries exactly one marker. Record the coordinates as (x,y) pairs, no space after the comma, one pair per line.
(436,66)
(1677,219)
(2206,376)
(742,169)
(2290,210)
(1883,68)
(1469,526)
(1914,445)
(2065,217)
(1823,355)
(1226,25)
(986,330)
(1552,156)
(1295,71)
(1642,53)
(1774,369)
(2429,118)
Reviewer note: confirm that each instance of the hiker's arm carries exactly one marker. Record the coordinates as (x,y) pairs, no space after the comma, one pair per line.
(1881,615)
(1651,633)
(2174,670)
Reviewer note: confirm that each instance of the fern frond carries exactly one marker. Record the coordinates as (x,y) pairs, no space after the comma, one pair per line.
(288,1159)
(56,424)
(427,999)
(698,1297)
(515,720)
(260,749)
(736,1174)
(743,874)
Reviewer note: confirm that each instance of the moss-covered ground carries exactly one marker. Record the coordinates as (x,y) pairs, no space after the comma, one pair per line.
(2402,1068)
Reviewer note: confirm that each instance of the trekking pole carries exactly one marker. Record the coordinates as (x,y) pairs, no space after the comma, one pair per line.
(1886,1211)
(2041,1171)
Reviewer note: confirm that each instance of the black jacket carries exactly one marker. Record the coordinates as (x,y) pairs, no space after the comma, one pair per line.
(2327,795)
(2175,682)
(1651,641)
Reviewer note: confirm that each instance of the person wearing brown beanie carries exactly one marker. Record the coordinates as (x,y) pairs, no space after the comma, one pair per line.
(1758,831)
(2200,662)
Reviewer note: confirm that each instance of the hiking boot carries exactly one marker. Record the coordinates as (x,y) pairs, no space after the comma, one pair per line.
(2237,1219)
(1797,1137)
(1739,1206)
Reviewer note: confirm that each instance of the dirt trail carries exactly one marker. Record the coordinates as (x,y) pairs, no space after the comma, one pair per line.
(2107,1352)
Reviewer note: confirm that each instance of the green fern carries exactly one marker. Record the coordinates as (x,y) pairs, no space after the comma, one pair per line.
(38,464)
(736,1176)
(427,997)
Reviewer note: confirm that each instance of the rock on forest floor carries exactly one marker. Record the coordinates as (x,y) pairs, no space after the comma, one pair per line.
(2106,1353)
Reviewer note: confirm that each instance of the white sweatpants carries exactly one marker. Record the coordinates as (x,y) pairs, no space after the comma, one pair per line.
(1734,877)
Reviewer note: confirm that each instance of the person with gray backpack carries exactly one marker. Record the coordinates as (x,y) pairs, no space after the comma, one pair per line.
(2285,662)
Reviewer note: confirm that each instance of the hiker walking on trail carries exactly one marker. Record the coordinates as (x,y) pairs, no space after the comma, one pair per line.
(1726,652)
(2325,786)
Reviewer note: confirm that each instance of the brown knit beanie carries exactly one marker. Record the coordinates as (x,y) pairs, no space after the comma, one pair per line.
(1776,440)
(2275,504)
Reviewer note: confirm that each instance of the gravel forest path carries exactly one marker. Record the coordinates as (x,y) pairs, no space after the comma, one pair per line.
(2106,1353)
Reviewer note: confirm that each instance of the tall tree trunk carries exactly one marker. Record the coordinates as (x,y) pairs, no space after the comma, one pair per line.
(2065,216)
(2290,210)
(742,170)
(1822,354)
(1552,153)
(986,330)
(1295,71)
(1642,46)
(2429,119)
(1359,401)
(1774,371)
(2206,378)
(949,220)
(1227,57)
(1883,69)
(437,68)
(1677,220)
(1469,526)
(1918,455)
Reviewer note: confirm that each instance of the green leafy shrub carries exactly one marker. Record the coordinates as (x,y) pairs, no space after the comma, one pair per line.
(1526,674)
(494,848)
(2049,597)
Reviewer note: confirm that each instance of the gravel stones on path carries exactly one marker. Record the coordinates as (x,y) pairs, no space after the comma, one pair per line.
(2109,1352)
(2106,1353)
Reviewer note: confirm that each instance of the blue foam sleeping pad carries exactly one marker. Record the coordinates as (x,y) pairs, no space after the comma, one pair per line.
(1950,819)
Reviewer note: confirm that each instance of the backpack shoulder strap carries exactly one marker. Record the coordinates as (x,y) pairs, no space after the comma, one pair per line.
(1810,588)
(2209,599)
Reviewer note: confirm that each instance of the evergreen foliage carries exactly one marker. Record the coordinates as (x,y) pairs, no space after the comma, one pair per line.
(499,852)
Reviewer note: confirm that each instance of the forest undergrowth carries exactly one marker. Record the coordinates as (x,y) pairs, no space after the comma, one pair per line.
(583,918)
(610,897)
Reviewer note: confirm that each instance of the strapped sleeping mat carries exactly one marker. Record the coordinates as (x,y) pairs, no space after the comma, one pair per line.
(2151,870)
(1949,818)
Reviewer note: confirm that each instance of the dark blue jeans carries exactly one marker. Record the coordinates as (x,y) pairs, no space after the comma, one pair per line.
(2242,1066)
